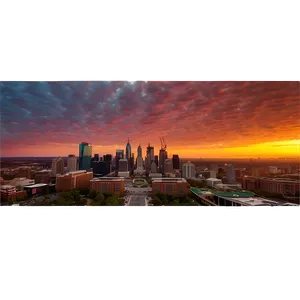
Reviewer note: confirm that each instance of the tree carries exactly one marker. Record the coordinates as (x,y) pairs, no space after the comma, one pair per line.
(156,201)
(93,194)
(112,201)
(99,200)
(107,195)
(84,191)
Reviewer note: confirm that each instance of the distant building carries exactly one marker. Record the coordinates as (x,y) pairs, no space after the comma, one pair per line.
(73,180)
(188,170)
(161,159)
(213,181)
(249,183)
(113,185)
(36,189)
(208,174)
(153,167)
(176,162)
(230,173)
(123,165)
(58,166)
(139,165)
(139,151)
(120,154)
(170,186)
(8,192)
(156,160)
(85,156)
(96,158)
(20,182)
(43,176)
(24,172)
(72,163)
(100,168)
(168,166)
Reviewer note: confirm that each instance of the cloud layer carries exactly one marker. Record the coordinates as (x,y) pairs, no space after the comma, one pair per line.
(36,116)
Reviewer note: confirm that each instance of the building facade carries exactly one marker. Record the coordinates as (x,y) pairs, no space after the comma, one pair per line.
(188,170)
(168,166)
(170,186)
(123,165)
(72,163)
(24,172)
(85,156)
(230,174)
(100,168)
(43,176)
(73,180)
(58,166)
(114,185)
(176,162)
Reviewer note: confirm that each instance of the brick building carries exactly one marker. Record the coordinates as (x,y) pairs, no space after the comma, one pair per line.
(113,185)
(170,186)
(73,180)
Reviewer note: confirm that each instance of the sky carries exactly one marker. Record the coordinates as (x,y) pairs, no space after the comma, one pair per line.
(216,119)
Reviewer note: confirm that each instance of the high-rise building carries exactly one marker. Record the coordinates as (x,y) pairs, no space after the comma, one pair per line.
(168,166)
(188,170)
(85,156)
(120,154)
(43,176)
(128,150)
(58,166)
(176,162)
(156,160)
(153,167)
(72,163)
(161,160)
(139,165)
(96,158)
(139,151)
(230,174)
(100,168)
(123,165)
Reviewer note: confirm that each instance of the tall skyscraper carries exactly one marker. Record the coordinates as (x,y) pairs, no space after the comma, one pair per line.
(72,163)
(176,162)
(58,166)
(153,167)
(188,170)
(168,166)
(156,160)
(139,165)
(128,150)
(230,174)
(139,151)
(96,157)
(123,165)
(162,158)
(120,153)
(85,156)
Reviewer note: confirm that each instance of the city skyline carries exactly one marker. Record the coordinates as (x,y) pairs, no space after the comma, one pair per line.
(197,119)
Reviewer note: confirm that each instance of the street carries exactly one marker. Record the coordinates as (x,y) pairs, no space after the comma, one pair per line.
(137,200)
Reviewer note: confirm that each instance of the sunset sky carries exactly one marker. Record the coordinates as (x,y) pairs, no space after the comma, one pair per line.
(197,119)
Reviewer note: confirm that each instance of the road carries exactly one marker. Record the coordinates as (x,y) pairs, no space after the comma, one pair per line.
(137,200)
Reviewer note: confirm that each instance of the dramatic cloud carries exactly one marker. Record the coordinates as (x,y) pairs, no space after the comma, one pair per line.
(52,118)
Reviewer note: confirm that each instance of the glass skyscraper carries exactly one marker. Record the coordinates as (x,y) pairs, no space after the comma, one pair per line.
(85,156)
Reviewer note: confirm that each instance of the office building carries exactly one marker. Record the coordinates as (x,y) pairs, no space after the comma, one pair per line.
(100,168)
(153,167)
(139,165)
(20,182)
(230,174)
(73,180)
(24,172)
(58,166)
(72,163)
(213,181)
(43,176)
(272,170)
(139,151)
(120,154)
(156,160)
(170,186)
(113,185)
(128,150)
(85,156)
(208,174)
(123,165)
(168,166)
(188,170)
(161,159)
(96,158)
(249,183)
(176,162)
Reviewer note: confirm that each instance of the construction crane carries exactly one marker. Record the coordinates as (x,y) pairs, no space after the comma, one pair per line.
(163,143)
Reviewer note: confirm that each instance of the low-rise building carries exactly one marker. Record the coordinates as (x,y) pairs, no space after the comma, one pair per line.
(24,172)
(170,186)
(213,181)
(113,185)
(43,176)
(21,182)
(73,180)
(36,189)
(8,192)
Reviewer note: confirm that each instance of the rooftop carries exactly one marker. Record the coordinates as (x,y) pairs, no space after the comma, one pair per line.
(280,179)
(108,179)
(168,179)
(37,185)
(200,192)
(213,179)
(7,186)
(259,201)
(243,194)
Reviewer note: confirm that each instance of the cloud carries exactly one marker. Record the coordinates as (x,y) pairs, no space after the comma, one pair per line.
(106,113)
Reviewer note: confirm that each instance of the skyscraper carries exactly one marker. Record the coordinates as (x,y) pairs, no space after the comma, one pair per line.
(139,151)
(120,153)
(123,165)
(230,174)
(188,170)
(176,162)
(168,166)
(156,160)
(128,150)
(72,163)
(58,166)
(85,156)
(162,158)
